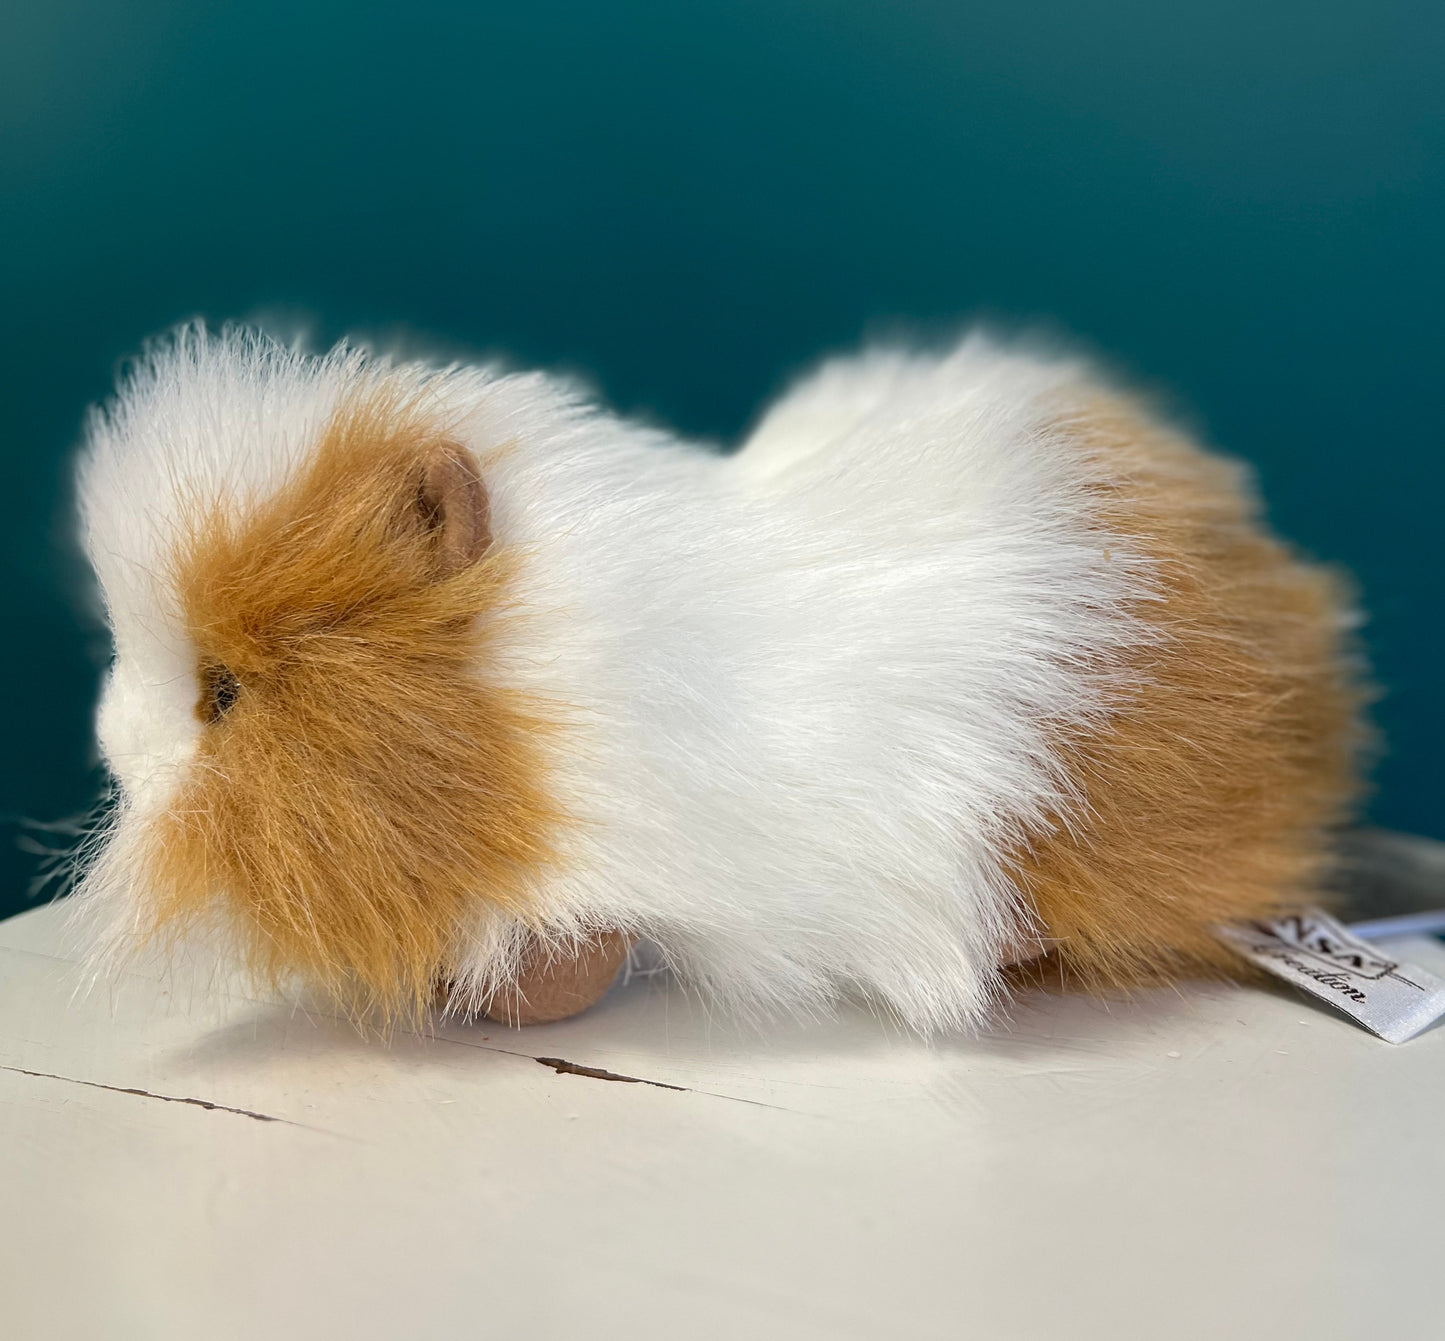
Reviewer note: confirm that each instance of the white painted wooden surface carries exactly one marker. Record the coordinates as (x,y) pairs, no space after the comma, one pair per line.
(1224,1162)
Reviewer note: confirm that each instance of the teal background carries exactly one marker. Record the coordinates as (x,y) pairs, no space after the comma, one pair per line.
(1239,202)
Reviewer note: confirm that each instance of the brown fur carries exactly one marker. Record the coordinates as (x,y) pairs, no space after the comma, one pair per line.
(1211,796)
(365,786)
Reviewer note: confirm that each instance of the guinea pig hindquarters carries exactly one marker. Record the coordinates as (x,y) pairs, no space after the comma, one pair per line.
(957,655)
(1145,709)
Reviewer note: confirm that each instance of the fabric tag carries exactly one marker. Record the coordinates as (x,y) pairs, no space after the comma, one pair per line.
(1316,954)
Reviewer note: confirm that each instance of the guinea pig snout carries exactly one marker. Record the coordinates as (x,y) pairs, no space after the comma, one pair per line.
(146,731)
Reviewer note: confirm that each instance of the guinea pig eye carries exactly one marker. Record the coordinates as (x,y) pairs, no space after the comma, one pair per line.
(219,691)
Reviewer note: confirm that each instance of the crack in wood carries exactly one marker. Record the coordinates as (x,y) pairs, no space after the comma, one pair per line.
(148,1094)
(566,1068)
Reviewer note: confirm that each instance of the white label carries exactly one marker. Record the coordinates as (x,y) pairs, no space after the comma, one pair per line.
(1316,954)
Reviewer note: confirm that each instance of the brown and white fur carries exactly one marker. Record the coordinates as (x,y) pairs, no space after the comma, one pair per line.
(444,676)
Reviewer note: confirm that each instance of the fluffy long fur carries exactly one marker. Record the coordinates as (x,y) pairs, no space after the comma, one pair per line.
(960,654)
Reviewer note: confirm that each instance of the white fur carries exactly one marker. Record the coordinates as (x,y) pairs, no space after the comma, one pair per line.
(809,689)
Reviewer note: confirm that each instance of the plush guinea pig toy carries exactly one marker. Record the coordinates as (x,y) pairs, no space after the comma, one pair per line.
(444,680)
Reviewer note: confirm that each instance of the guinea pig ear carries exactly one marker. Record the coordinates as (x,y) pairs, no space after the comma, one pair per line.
(452,507)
